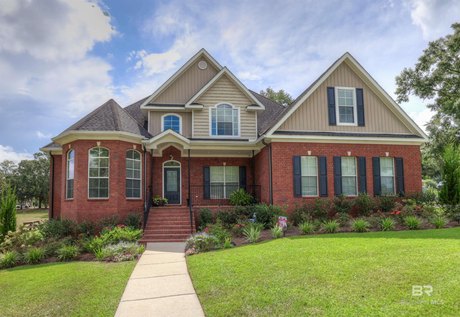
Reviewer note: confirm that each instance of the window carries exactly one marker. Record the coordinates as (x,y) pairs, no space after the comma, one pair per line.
(387,176)
(309,169)
(349,176)
(224,181)
(172,122)
(70,174)
(224,121)
(346,106)
(133,174)
(98,171)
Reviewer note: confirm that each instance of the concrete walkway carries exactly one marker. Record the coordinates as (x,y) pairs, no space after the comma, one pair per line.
(160,285)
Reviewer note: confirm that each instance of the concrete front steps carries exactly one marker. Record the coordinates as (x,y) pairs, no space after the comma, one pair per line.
(168,224)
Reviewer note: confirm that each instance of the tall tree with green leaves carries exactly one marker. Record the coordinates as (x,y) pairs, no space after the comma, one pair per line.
(435,78)
(450,170)
(7,209)
(280,96)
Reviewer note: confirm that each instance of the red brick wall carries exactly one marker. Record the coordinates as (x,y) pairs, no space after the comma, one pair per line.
(262,172)
(283,192)
(57,174)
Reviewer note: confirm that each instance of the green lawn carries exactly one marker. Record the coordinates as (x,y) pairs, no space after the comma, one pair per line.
(349,274)
(31,215)
(63,289)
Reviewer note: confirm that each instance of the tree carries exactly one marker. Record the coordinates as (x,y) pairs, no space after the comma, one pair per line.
(7,210)
(436,79)
(280,96)
(450,190)
(32,180)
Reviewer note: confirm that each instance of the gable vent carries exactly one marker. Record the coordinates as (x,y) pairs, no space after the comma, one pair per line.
(202,65)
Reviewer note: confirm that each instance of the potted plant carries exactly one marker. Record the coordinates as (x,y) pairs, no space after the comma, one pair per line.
(159,201)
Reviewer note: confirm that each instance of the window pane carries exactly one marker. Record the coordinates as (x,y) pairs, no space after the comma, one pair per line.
(232,174)
(309,186)
(349,186)
(308,166)
(386,166)
(217,174)
(346,114)
(224,120)
(93,172)
(387,184)
(348,166)
(129,163)
(103,172)
(171,181)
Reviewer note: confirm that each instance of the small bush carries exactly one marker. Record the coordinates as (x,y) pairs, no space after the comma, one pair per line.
(387,224)
(331,226)
(122,251)
(119,234)
(227,217)
(228,243)
(439,222)
(109,222)
(302,214)
(52,246)
(67,252)
(364,204)
(201,242)
(266,214)
(205,217)
(412,222)
(21,239)
(133,220)
(252,233)
(342,204)
(34,255)
(429,211)
(241,198)
(7,210)
(277,232)
(307,227)
(360,225)
(9,259)
(58,228)
(94,245)
(343,218)
(386,203)
(87,228)
(218,231)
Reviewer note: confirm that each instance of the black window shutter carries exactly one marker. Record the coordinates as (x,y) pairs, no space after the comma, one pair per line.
(297,176)
(243,177)
(331,105)
(399,166)
(376,172)
(322,176)
(337,175)
(362,182)
(360,106)
(206,182)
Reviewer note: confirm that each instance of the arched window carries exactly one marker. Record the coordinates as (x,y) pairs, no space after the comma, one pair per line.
(133,174)
(224,120)
(98,173)
(70,174)
(171,122)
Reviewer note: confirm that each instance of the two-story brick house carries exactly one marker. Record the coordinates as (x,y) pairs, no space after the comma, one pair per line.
(203,134)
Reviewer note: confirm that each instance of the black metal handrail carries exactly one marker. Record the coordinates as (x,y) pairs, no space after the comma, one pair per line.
(218,194)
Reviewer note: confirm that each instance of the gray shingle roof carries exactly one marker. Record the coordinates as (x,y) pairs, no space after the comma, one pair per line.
(267,118)
(110,117)
(135,111)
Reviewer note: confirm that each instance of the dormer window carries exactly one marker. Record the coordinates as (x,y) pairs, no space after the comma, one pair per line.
(346,106)
(225,120)
(171,122)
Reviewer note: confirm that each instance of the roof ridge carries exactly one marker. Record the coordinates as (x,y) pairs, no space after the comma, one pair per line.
(253,92)
(131,117)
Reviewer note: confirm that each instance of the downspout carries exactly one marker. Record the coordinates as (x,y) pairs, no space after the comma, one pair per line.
(145,178)
(270,177)
(51,211)
(189,195)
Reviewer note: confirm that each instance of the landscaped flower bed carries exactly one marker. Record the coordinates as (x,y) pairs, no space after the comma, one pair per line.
(56,240)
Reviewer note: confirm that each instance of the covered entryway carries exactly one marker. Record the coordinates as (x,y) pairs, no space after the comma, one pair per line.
(172,182)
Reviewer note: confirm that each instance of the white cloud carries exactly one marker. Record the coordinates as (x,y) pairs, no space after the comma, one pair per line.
(8,153)
(42,135)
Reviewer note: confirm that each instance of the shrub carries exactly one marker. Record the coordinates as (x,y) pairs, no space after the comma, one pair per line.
(227,217)
(307,227)
(109,222)
(205,217)
(386,203)
(450,173)
(228,243)
(94,245)
(52,246)
(218,231)
(429,211)
(122,251)
(439,222)
(7,210)
(302,214)
(331,226)
(241,198)
(364,204)
(58,228)
(342,204)
(360,225)
(67,252)
(252,232)
(456,217)
(120,233)
(387,224)
(133,220)
(201,242)
(34,255)
(244,212)
(277,232)
(21,239)
(343,218)
(238,228)
(87,228)
(321,208)
(412,222)
(266,214)
(9,259)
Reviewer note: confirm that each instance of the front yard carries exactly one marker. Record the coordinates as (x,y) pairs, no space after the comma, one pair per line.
(349,274)
(64,289)
(31,215)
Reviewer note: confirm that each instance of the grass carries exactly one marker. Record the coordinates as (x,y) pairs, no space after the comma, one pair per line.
(64,289)
(31,215)
(350,274)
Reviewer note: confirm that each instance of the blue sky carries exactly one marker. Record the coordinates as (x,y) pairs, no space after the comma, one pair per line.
(61,59)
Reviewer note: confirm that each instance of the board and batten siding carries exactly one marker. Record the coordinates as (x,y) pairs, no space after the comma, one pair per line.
(312,115)
(224,91)
(155,122)
(187,85)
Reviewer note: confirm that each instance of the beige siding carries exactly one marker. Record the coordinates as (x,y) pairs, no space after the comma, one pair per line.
(187,85)
(224,90)
(312,115)
(155,122)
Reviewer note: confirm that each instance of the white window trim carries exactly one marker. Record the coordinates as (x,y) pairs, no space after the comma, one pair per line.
(171,114)
(224,182)
(67,175)
(355,107)
(356,176)
(108,177)
(210,121)
(140,175)
(394,175)
(163,179)
(317,176)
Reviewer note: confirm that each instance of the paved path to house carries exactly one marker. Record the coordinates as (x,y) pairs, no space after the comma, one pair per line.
(160,285)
